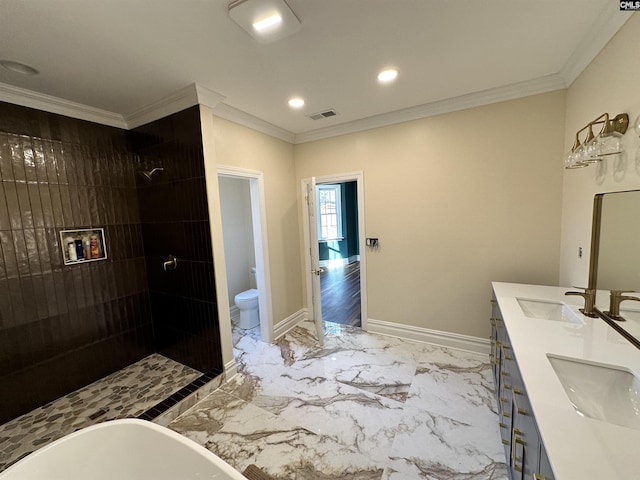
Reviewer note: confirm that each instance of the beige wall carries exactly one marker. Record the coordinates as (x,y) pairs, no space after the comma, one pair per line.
(239,254)
(610,84)
(229,144)
(239,146)
(457,200)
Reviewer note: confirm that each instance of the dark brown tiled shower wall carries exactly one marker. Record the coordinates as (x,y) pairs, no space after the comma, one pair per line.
(175,220)
(62,327)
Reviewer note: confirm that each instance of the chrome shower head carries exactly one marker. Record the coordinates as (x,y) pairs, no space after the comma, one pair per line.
(149,173)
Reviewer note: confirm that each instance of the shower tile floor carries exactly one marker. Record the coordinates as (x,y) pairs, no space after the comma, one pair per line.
(123,394)
(364,406)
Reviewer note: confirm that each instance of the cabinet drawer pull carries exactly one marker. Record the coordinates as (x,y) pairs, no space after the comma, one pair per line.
(520,411)
(507,387)
(504,374)
(517,392)
(537,476)
(502,425)
(517,431)
(517,468)
(505,442)
(507,357)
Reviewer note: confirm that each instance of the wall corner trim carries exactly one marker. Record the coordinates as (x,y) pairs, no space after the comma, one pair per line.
(289,323)
(434,337)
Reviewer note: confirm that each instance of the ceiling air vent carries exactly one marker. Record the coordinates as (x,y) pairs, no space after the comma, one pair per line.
(325,114)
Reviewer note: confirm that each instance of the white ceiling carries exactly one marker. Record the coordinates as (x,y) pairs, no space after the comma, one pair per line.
(122,55)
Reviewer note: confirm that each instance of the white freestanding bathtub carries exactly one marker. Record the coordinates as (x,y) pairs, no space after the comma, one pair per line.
(128,449)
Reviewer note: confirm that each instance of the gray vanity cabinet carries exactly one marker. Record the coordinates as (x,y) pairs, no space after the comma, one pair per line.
(524,451)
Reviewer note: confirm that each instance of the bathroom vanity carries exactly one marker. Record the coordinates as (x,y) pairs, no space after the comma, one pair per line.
(567,387)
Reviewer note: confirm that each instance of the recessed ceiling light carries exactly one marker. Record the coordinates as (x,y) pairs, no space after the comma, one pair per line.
(296,102)
(18,67)
(270,21)
(388,75)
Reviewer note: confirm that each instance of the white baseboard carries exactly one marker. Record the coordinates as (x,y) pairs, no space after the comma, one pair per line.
(230,369)
(339,261)
(234,314)
(434,337)
(290,322)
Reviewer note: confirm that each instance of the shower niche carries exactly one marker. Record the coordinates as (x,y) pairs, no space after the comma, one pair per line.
(83,245)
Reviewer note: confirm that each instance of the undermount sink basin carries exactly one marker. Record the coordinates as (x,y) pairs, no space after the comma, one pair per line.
(545,310)
(603,392)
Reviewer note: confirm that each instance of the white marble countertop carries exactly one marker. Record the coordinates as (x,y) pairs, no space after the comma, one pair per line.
(578,447)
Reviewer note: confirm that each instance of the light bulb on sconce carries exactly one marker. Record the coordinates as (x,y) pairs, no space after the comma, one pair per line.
(590,148)
(609,140)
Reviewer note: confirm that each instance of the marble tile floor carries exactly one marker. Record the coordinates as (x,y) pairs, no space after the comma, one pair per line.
(363,407)
(126,393)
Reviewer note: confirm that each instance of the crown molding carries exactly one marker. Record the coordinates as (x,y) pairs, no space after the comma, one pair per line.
(208,97)
(175,102)
(601,32)
(60,106)
(234,115)
(545,84)
(605,27)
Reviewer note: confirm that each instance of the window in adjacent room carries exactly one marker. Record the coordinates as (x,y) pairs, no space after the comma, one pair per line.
(329,212)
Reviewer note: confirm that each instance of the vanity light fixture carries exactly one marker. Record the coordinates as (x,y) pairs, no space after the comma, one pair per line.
(595,148)
(388,75)
(265,20)
(296,102)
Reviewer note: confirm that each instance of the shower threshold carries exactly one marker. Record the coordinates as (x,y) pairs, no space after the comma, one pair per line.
(155,388)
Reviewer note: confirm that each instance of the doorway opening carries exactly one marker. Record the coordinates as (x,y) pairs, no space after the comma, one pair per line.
(245,245)
(334,238)
(339,252)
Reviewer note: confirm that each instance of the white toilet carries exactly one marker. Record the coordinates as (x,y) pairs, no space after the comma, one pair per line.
(247,303)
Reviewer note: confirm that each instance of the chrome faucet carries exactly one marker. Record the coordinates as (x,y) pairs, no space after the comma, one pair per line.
(615,299)
(589,296)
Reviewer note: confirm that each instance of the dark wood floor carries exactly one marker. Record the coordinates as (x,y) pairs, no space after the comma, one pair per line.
(340,289)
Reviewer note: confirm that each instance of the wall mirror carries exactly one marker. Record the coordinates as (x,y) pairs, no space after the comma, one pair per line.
(615,252)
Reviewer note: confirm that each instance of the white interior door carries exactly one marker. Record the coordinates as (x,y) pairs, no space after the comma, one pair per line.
(315,258)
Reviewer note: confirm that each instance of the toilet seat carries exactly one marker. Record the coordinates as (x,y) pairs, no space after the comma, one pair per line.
(247,295)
